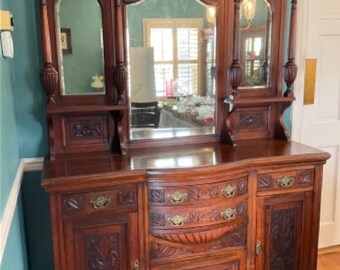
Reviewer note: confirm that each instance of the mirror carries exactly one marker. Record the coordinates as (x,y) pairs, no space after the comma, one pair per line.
(81,47)
(255,43)
(172,68)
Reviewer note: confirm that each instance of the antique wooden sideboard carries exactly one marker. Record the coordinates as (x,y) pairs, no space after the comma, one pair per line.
(234,194)
(255,206)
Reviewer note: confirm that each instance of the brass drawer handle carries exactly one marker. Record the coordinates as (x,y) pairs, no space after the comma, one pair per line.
(229,191)
(258,247)
(136,265)
(229,214)
(100,202)
(177,221)
(285,181)
(177,197)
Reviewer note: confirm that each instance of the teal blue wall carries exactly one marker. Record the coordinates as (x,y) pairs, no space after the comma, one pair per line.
(86,58)
(23,124)
(9,143)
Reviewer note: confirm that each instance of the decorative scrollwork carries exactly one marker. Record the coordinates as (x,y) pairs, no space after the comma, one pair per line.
(83,130)
(157,195)
(126,197)
(251,120)
(72,204)
(305,177)
(103,251)
(205,216)
(157,219)
(265,181)
(203,193)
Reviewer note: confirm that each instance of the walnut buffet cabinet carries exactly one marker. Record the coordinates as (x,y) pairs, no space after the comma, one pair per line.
(233,194)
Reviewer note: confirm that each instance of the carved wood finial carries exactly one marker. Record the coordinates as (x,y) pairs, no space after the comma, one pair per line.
(120,75)
(49,76)
(49,80)
(235,70)
(290,68)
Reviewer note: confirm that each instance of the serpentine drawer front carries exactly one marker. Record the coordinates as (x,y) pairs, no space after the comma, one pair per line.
(285,179)
(159,194)
(99,201)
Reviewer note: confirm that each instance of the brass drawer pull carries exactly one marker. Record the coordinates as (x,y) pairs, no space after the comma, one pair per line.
(258,248)
(177,197)
(229,191)
(177,221)
(229,214)
(136,265)
(285,181)
(100,202)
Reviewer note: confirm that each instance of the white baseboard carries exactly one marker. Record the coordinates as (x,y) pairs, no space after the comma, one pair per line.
(25,165)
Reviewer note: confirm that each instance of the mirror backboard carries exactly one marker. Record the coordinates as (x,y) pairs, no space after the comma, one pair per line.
(172,68)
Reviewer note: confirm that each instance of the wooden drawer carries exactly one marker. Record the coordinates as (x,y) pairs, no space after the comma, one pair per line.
(232,260)
(285,179)
(196,224)
(97,201)
(193,194)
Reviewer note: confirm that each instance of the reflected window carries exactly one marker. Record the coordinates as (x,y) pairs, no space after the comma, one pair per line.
(254,58)
(176,45)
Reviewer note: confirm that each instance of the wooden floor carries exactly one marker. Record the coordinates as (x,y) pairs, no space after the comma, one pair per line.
(329,261)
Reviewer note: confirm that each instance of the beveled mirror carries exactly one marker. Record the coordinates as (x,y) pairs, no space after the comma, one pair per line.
(81,47)
(255,43)
(172,68)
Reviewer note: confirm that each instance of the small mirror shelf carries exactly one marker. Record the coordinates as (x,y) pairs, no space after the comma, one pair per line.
(172,68)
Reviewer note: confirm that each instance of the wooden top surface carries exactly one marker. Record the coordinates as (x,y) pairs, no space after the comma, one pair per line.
(137,162)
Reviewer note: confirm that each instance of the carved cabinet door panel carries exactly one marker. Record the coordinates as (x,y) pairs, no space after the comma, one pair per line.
(102,243)
(283,235)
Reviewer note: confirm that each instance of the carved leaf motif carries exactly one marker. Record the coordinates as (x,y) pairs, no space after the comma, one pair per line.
(234,238)
(160,251)
(103,252)
(283,239)
(72,204)
(126,197)
(251,120)
(157,219)
(241,208)
(204,216)
(81,130)
(265,181)
(197,193)
(242,186)
(157,195)
(305,177)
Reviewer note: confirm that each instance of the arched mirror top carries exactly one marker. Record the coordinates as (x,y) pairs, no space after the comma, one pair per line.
(255,43)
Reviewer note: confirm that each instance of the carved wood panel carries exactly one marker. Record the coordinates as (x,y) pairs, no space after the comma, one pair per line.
(103,251)
(283,238)
(85,130)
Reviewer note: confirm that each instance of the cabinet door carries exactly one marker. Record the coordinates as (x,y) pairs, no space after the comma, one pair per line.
(283,237)
(102,242)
